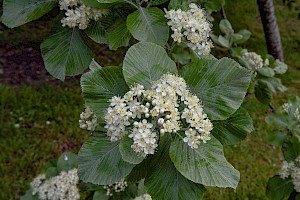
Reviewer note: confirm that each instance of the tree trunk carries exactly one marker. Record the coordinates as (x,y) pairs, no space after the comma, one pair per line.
(272,35)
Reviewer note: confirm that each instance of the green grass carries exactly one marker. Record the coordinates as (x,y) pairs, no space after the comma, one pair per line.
(25,150)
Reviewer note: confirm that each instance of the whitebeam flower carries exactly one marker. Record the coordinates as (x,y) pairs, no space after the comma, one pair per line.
(292,169)
(119,186)
(77,14)
(143,197)
(63,186)
(145,115)
(191,25)
(254,60)
(88,120)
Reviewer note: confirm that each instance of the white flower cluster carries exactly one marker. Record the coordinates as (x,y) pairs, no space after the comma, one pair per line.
(292,169)
(119,186)
(254,60)
(61,187)
(192,25)
(297,114)
(88,120)
(77,14)
(286,107)
(143,197)
(168,107)
(280,67)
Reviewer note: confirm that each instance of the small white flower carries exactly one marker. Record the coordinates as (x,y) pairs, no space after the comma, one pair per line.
(17,125)
(254,60)
(88,120)
(285,107)
(297,114)
(119,186)
(143,197)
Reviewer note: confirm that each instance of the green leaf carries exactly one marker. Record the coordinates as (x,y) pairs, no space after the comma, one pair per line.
(146,62)
(278,189)
(236,51)
(99,86)
(18,12)
(51,171)
(214,5)
(180,4)
(165,182)
(277,120)
(97,4)
(215,39)
(107,1)
(158,2)
(128,154)
(180,54)
(266,71)
(94,66)
(51,163)
(140,171)
(65,53)
(246,35)
(28,196)
(291,148)
(276,138)
(234,129)
(225,27)
(206,165)
(274,84)
(119,36)
(100,195)
(149,25)
(100,161)
(67,161)
(99,30)
(223,41)
(262,92)
(235,37)
(82,186)
(220,84)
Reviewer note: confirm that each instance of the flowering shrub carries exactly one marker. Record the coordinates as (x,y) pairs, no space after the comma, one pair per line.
(162,116)
(155,124)
(286,132)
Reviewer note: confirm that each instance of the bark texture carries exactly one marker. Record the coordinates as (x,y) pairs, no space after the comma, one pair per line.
(272,35)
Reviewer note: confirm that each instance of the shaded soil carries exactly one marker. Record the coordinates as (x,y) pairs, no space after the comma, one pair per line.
(23,64)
